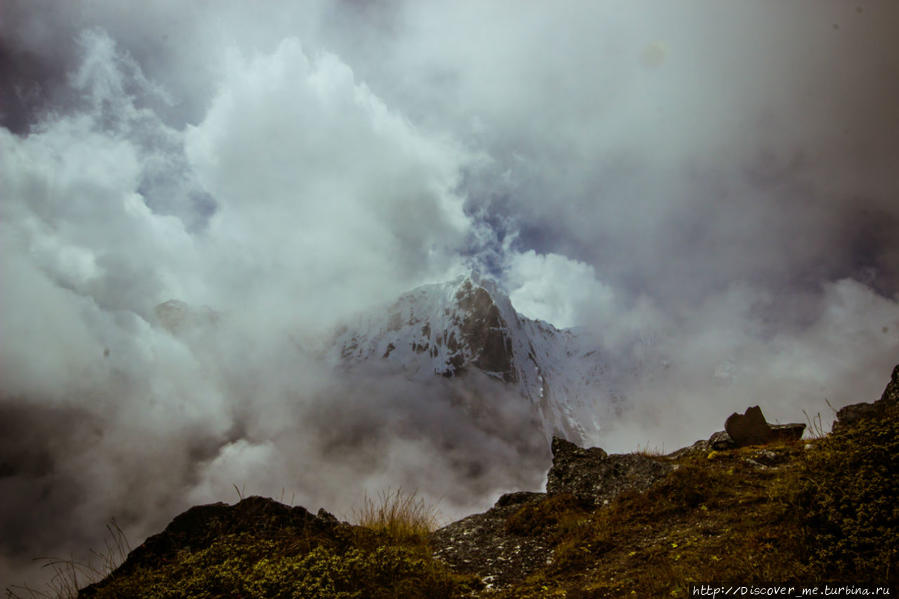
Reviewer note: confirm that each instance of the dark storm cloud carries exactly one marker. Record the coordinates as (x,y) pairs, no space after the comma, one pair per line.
(24,80)
(708,190)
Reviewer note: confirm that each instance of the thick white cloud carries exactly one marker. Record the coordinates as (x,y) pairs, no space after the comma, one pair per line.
(322,190)
(315,200)
(555,288)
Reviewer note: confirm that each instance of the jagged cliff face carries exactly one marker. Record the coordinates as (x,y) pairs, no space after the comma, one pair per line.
(453,328)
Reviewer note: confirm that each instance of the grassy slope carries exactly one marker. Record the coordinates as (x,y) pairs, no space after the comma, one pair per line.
(819,510)
(828,511)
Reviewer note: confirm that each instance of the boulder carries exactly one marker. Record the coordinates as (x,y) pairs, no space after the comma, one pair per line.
(749,428)
(595,477)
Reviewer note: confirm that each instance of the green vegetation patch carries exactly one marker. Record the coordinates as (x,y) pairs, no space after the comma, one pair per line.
(246,566)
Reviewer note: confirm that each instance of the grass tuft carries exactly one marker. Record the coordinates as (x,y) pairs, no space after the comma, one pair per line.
(814,425)
(650,451)
(70,575)
(402,516)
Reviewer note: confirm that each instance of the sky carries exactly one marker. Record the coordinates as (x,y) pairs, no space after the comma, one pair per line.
(706,190)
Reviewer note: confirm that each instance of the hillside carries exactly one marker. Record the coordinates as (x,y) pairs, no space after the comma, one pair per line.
(801,511)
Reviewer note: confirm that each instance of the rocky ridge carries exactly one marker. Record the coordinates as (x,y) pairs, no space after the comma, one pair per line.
(200,526)
(853,413)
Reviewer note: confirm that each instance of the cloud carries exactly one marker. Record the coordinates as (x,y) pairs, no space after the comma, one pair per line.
(315,200)
(350,194)
(555,288)
(706,191)
(732,352)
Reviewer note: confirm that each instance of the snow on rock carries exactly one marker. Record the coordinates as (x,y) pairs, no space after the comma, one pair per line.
(469,323)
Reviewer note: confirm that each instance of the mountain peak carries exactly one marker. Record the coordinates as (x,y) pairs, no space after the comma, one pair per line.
(466,284)
(468,324)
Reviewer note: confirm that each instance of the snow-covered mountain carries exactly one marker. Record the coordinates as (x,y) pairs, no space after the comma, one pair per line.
(467,324)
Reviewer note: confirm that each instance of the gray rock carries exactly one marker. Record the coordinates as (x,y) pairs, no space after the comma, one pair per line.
(721,440)
(594,477)
(853,413)
(326,516)
(792,431)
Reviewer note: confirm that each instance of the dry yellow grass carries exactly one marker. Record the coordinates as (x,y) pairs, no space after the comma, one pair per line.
(403,516)
(70,575)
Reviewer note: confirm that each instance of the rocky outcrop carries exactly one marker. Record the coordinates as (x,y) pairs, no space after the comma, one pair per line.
(751,428)
(201,525)
(483,545)
(851,414)
(595,477)
(891,393)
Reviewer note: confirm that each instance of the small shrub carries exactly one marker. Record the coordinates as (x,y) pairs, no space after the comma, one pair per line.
(247,566)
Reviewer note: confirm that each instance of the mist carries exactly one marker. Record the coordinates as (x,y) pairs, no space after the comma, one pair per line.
(706,192)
